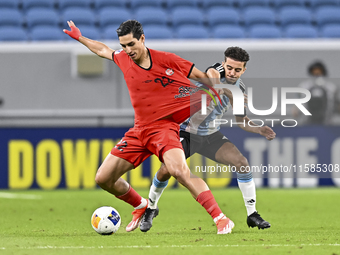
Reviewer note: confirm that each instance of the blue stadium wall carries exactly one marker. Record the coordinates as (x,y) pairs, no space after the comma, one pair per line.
(52,158)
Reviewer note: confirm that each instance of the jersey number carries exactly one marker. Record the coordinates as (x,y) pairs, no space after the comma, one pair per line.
(165,81)
(121,145)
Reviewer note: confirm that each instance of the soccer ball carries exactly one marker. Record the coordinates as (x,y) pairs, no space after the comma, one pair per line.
(105,220)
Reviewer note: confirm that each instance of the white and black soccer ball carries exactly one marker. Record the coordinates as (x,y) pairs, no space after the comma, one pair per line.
(105,220)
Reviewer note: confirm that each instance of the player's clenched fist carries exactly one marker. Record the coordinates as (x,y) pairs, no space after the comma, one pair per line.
(75,32)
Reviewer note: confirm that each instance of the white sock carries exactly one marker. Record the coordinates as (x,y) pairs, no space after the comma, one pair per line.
(248,190)
(143,203)
(156,191)
(154,195)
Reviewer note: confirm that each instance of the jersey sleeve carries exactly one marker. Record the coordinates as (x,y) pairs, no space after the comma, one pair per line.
(180,64)
(116,56)
(242,86)
(218,67)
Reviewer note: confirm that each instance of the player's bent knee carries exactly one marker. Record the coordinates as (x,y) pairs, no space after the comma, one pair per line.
(100,180)
(176,174)
(180,174)
(241,162)
(176,168)
(104,180)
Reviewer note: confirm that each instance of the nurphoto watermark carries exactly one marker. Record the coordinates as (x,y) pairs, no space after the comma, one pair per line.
(239,109)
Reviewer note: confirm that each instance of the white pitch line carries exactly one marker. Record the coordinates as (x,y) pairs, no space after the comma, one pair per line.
(166,246)
(18,196)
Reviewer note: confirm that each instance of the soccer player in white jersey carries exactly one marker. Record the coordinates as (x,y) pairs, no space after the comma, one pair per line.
(200,135)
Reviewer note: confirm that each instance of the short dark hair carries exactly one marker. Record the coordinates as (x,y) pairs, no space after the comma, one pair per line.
(236,53)
(130,26)
(319,65)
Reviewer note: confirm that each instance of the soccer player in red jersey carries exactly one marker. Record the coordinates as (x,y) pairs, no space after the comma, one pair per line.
(161,95)
(201,134)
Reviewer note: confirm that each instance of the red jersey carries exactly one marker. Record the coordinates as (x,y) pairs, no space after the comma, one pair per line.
(161,90)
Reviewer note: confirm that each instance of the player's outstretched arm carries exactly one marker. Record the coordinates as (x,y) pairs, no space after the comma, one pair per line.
(198,75)
(96,47)
(265,131)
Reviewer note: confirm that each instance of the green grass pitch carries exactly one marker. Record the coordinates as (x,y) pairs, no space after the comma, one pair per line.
(304,221)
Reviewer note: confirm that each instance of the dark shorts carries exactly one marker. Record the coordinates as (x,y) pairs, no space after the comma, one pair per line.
(204,145)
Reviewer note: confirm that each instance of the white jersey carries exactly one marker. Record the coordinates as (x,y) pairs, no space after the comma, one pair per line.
(204,124)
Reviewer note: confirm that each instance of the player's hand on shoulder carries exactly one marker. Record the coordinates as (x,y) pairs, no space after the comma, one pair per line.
(75,32)
(213,73)
(267,132)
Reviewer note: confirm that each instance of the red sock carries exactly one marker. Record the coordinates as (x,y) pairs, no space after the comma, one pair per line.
(131,197)
(207,200)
